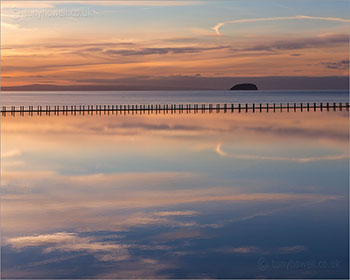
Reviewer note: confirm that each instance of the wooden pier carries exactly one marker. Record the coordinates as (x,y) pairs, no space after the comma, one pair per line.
(173,108)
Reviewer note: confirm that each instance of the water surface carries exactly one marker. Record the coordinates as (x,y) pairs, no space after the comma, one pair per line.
(54,98)
(175,196)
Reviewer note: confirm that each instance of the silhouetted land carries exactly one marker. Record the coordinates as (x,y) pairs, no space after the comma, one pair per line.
(244,87)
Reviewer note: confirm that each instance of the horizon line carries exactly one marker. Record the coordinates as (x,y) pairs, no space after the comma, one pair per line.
(194,83)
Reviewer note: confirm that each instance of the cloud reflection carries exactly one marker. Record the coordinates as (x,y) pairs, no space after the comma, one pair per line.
(146,196)
(71,242)
(220,152)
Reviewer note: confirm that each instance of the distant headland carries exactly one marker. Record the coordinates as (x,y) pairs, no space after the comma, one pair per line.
(244,87)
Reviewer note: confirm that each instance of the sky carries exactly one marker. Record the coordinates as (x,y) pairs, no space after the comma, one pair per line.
(142,44)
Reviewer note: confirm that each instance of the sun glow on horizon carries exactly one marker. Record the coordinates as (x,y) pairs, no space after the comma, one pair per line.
(111,43)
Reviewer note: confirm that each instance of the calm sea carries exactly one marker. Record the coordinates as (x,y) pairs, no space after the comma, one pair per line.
(166,97)
(175,196)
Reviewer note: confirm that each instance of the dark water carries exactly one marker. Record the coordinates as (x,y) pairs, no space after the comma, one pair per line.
(168,97)
(261,195)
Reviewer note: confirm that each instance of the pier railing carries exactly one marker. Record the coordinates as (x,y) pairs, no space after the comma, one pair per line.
(157,108)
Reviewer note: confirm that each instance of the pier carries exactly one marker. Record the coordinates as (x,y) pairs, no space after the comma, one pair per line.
(174,108)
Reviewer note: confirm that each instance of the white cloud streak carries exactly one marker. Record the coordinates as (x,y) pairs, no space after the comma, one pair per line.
(217,27)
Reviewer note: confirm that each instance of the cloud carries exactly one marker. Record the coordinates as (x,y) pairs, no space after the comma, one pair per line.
(39,240)
(61,247)
(51,4)
(93,46)
(255,249)
(183,40)
(156,126)
(144,3)
(245,250)
(28,4)
(220,152)
(217,27)
(11,154)
(301,132)
(201,31)
(159,194)
(295,44)
(292,249)
(151,51)
(10,25)
(71,242)
(176,213)
(340,65)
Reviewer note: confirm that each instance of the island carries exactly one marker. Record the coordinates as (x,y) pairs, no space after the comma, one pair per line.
(244,87)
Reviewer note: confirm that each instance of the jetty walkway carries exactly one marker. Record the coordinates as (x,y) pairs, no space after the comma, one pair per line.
(173,108)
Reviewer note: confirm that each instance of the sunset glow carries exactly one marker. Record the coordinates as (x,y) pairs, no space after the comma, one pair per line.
(126,44)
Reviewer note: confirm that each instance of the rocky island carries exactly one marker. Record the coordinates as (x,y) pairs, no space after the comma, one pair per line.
(244,87)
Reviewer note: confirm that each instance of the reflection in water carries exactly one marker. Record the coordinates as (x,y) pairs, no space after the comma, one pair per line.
(175,196)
